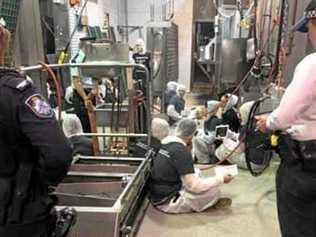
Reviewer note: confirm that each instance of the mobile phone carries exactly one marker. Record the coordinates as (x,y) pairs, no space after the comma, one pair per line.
(221,131)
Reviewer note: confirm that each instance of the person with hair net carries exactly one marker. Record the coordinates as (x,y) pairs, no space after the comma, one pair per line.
(230,113)
(174,187)
(73,130)
(204,147)
(159,130)
(84,89)
(232,140)
(176,105)
(171,91)
(212,120)
(140,56)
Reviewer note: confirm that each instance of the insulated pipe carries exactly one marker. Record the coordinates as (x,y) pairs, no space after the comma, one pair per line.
(291,39)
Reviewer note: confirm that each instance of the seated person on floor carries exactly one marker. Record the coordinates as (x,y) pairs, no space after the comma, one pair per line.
(160,130)
(174,187)
(72,128)
(230,113)
(170,92)
(204,147)
(212,120)
(233,139)
(176,105)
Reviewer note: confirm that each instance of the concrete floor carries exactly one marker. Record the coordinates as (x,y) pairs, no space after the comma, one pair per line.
(253,213)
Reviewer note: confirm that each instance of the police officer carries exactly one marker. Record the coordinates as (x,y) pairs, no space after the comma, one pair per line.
(296,118)
(34,154)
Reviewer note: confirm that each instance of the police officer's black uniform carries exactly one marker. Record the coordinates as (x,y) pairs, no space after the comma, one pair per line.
(34,154)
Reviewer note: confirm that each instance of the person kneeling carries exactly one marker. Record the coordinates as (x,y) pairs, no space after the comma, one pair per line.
(174,187)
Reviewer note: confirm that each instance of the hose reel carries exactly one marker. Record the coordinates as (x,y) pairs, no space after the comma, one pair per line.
(258,146)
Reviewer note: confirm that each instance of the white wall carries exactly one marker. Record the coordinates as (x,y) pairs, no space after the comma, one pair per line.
(138,15)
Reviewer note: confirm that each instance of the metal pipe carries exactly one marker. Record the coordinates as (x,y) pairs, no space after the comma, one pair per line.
(105,158)
(111,135)
(130,184)
(279,45)
(171,10)
(98,174)
(291,39)
(126,19)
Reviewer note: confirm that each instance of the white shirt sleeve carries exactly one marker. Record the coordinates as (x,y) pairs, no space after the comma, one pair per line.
(172,113)
(195,184)
(297,98)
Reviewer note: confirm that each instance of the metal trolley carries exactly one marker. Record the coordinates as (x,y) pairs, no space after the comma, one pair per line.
(108,192)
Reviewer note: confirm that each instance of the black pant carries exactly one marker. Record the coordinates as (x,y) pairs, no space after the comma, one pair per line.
(43,228)
(296,196)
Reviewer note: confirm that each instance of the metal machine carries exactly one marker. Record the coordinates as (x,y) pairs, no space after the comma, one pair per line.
(162,42)
(108,191)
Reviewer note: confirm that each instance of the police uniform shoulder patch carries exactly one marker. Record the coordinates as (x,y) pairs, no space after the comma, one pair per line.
(39,106)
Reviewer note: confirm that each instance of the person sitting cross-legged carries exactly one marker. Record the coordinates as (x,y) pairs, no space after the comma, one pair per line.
(174,187)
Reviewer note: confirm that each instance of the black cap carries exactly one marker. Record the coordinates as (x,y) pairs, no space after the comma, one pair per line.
(310,13)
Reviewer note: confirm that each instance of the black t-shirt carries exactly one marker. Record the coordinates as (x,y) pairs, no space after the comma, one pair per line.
(144,59)
(211,123)
(230,118)
(173,161)
(141,146)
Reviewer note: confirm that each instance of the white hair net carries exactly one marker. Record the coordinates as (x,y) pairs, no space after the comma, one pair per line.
(172,86)
(69,94)
(186,128)
(244,111)
(160,128)
(71,125)
(140,42)
(211,105)
(181,87)
(232,102)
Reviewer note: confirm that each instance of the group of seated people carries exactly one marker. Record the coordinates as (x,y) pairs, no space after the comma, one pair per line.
(175,185)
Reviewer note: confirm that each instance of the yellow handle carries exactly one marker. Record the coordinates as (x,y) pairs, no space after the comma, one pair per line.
(274,140)
(62,57)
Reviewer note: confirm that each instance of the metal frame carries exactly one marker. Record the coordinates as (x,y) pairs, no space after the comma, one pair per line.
(107,64)
(118,213)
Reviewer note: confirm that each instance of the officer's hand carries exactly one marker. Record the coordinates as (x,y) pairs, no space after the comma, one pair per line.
(262,124)
(228,178)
